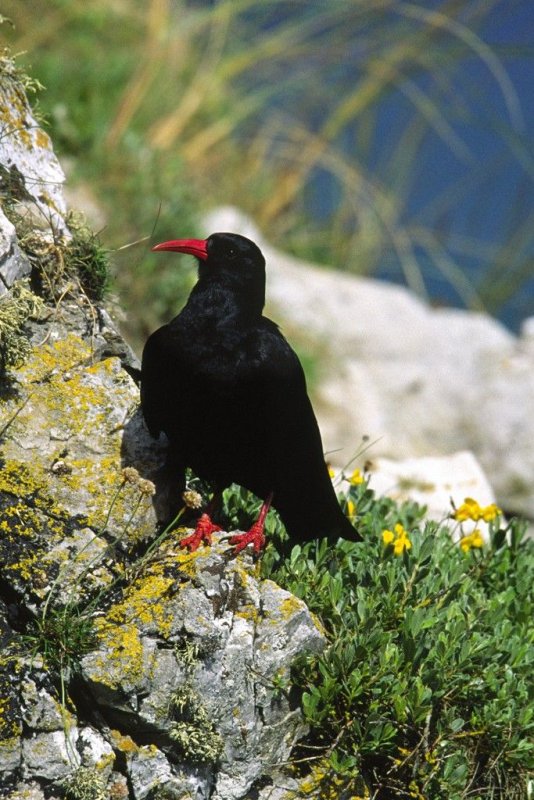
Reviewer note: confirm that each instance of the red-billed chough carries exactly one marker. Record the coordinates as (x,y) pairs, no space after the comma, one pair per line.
(229,392)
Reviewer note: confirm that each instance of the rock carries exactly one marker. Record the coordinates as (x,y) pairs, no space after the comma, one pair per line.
(10,759)
(50,756)
(415,381)
(232,635)
(29,791)
(149,769)
(41,711)
(27,159)
(95,752)
(13,264)
(64,452)
(435,482)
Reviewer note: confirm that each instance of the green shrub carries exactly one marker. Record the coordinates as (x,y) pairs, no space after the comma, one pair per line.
(425,687)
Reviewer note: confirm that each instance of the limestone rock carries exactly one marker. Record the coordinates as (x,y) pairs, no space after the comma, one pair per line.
(95,752)
(13,264)
(41,711)
(64,450)
(231,635)
(50,756)
(27,157)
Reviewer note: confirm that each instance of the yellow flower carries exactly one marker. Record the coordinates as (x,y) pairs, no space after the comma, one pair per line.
(469,509)
(401,544)
(387,537)
(472,540)
(465,543)
(351,509)
(490,512)
(398,537)
(476,539)
(331,472)
(356,477)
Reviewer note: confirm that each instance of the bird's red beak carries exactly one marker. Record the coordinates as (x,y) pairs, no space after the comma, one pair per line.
(195,247)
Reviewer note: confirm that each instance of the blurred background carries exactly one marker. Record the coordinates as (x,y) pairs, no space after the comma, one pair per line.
(385,138)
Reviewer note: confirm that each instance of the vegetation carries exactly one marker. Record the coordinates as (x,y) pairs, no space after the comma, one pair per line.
(424,689)
(286,111)
(15,309)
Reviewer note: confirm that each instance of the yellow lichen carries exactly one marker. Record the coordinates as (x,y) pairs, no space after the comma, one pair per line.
(105,761)
(248,612)
(123,743)
(67,392)
(124,652)
(10,725)
(144,603)
(291,606)
(188,561)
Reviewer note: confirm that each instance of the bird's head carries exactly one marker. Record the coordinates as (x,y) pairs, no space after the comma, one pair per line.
(228,258)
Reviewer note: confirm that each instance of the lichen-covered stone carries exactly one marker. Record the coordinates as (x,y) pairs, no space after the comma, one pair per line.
(10,759)
(95,752)
(50,756)
(232,635)
(41,711)
(61,486)
(149,769)
(29,791)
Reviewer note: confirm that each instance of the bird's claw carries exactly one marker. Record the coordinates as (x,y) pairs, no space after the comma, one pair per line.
(255,536)
(201,535)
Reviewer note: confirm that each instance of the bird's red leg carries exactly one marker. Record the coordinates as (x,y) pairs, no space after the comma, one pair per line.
(204,528)
(255,535)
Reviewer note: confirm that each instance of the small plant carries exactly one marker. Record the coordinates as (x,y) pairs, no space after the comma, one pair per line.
(194,732)
(15,309)
(62,637)
(86,259)
(57,260)
(85,784)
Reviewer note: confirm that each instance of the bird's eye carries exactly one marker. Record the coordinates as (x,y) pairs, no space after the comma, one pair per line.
(232,253)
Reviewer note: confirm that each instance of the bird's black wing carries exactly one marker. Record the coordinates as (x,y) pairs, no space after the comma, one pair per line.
(290,459)
(160,391)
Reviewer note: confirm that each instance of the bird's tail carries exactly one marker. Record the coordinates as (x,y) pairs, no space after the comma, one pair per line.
(327,522)
(343,529)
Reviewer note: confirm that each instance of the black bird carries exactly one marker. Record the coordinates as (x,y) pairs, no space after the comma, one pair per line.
(229,392)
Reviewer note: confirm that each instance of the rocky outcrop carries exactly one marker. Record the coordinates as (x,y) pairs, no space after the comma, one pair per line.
(30,174)
(128,667)
(415,381)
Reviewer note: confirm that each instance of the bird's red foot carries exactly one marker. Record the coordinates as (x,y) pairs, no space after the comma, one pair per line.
(201,535)
(254,535)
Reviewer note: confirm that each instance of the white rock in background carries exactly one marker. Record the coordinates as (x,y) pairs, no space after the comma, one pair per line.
(435,481)
(417,381)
